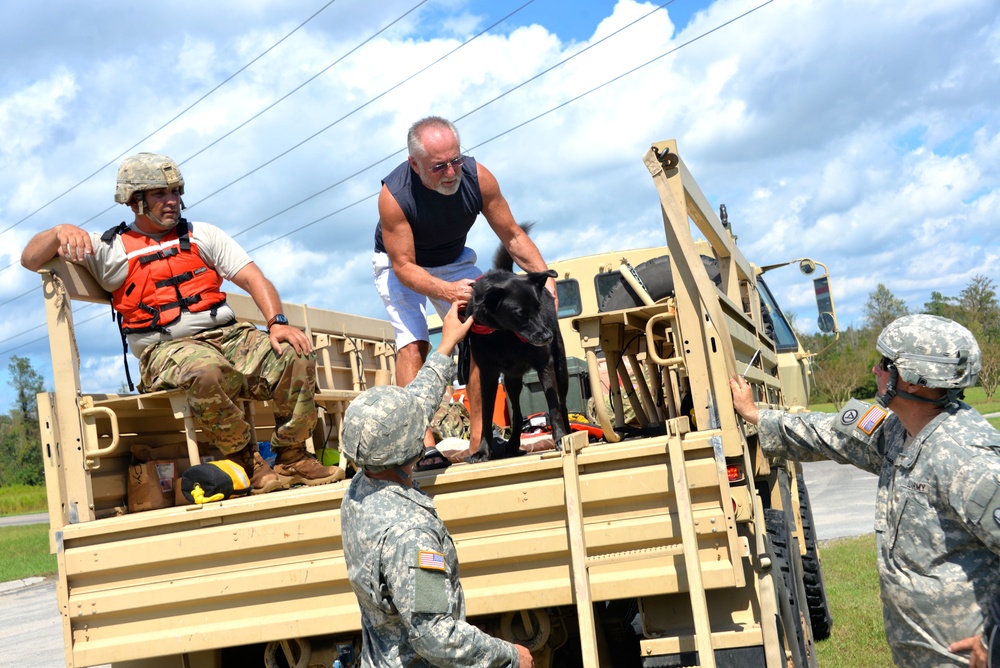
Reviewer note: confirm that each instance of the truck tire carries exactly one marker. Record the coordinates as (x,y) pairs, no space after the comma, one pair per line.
(812,571)
(655,274)
(784,586)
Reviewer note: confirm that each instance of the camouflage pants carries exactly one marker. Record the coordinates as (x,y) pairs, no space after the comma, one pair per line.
(218,366)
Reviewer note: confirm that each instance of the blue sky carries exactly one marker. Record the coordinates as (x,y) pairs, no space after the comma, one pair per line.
(865,135)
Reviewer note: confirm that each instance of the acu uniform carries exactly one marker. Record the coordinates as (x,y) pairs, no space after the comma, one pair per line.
(403,567)
(937,518)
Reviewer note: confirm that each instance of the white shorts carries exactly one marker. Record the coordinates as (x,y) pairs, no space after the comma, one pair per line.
(407,308)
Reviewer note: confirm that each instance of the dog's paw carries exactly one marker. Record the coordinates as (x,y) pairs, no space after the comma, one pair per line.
(431,460)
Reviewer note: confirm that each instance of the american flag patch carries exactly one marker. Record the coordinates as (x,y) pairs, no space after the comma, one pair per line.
(430,560)
(872,419)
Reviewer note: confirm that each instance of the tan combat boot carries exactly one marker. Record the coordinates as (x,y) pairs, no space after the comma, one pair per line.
(296,466)
(262,477)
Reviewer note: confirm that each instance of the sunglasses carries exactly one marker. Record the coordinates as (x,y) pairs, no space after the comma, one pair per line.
(455,162)
(885,363)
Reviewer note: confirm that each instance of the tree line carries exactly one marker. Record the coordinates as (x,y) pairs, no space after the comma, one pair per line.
(20,438)
(844,370)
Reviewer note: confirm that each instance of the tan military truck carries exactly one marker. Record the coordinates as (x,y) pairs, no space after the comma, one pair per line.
(661,544)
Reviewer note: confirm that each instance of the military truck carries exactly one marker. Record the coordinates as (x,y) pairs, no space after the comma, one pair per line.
(671,541)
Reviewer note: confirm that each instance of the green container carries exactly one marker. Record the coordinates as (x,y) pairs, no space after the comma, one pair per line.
(532,398)
(329,457)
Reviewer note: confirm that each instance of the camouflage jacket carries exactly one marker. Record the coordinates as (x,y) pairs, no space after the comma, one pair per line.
(403,568)
(937,518)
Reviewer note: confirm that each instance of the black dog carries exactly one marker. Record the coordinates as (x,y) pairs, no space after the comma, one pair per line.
(516,329)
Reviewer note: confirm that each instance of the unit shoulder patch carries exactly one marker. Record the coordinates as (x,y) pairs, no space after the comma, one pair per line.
(431,561)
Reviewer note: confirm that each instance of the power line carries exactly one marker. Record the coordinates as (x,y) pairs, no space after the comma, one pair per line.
(463,116)
(480,144)
(509,130)
(184,111)
(359,108)
(303,85)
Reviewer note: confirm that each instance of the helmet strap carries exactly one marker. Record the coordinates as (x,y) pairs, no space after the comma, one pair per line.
(891,392)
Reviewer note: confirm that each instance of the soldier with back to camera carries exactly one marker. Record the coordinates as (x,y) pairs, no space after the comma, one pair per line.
(401,560)
(937,520)
(165,276)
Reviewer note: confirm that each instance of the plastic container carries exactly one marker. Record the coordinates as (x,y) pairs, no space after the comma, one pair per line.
(264,447)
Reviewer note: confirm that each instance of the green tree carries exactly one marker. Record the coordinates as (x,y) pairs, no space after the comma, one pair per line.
(989,377)
(946,307)
(978,302)
(20,441)
(883,307)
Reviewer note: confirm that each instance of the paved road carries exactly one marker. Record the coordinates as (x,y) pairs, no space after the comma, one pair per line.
(843,501)
(19,520)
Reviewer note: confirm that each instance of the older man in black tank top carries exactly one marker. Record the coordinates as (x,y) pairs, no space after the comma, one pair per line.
(426,208)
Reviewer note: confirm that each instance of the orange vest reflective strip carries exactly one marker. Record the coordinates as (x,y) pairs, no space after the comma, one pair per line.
(165,278)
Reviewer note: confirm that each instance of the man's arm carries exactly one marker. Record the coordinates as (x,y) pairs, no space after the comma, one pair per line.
(265,296)
(68,241)
(397,237)
(515,240)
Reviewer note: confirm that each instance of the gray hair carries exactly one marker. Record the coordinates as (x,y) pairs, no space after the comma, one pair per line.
(413,143)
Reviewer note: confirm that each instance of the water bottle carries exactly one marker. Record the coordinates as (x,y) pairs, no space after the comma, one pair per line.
(337,664)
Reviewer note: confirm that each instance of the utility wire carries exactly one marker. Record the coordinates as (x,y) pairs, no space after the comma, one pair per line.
(43,338)
(303,85)
(359,108)
(463,116)
(480,144)
(184,111)
(520,125)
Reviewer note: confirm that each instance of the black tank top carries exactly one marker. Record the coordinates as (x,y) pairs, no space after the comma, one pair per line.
(440,223)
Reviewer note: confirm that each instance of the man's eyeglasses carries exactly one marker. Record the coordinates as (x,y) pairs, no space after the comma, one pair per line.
(885,363)
(455,162)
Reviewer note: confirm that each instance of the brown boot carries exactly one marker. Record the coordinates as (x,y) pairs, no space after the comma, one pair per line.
(296,466)
(262,478)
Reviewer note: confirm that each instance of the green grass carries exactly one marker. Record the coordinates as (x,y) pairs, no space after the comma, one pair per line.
(858,637)
(22,499)
(30,544)
(974,396)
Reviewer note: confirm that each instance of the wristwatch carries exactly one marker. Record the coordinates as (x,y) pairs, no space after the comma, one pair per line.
(278,319)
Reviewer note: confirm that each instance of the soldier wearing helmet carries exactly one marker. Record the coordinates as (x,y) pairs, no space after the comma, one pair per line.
(401,560)
(165,277)
(937,519)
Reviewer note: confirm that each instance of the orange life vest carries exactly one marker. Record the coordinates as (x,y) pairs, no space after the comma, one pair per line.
(165,278)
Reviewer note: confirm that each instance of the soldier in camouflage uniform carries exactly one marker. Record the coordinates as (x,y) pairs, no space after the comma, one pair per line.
(164,275)
(401,560)
(937,519)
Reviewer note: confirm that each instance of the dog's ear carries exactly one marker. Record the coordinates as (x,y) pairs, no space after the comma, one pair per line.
(539,278)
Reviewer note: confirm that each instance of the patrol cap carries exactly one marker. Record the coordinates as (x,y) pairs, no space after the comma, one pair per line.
(146,171)
(932,351)
(384,427)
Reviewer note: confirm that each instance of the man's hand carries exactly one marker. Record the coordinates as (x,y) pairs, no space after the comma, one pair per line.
(524,657)
(293,336)
(459,291)
(978,658)
(550,285)
(74,243)
(743,399)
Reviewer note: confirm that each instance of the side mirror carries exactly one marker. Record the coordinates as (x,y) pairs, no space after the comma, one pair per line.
(827,321)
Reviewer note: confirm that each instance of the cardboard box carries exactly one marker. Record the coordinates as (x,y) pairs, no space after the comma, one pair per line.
(151,484)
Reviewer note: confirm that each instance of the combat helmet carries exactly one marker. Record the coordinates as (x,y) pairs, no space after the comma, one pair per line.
(929,351)
(146,171)
(384,426)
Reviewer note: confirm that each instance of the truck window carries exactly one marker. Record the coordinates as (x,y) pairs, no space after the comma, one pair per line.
(603,284)
(570,303)
(782,333)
